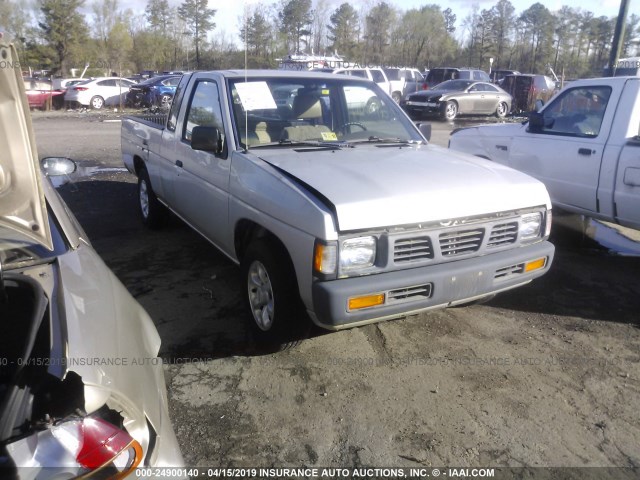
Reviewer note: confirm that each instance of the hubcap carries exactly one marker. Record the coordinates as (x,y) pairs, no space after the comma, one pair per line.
(451,111)
(260,295)
(144,199)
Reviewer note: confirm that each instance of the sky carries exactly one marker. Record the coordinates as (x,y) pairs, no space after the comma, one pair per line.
(228,12)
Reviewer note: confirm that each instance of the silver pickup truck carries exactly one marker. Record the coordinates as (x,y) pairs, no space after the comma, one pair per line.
(331,200)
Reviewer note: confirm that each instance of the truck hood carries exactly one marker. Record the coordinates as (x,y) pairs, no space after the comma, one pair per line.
(22,201)
(374,186)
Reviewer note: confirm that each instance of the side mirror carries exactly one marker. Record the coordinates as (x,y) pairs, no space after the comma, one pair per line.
(425,129)
(207,139)
(539,104)
(536,122)
(53,166)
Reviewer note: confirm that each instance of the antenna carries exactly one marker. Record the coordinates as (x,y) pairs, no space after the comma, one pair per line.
(246,50)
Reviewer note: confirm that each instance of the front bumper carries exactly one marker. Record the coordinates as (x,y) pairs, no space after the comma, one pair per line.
(422,288)
(421,108)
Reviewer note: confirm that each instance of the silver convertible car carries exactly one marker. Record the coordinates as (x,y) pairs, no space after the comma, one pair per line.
(458,97)
(82,392)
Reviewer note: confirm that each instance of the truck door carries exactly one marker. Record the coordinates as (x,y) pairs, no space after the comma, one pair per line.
(627,190)
(201,181)
(565,152)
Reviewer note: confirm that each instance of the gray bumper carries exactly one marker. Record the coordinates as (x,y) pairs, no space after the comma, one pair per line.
(446,284)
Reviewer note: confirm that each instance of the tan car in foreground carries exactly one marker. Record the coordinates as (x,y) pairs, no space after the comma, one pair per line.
(82,386)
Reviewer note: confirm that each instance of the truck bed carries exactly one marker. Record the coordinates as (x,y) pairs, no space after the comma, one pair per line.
(155,120)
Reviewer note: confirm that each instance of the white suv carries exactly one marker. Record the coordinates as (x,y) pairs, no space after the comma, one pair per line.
(375,74)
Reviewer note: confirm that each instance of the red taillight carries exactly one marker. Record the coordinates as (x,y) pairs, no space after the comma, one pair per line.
(425,86)
(81,89)
(96,443)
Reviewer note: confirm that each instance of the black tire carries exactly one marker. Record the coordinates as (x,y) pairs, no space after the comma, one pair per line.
(397,96)
(274,309)
(502,110)
(153,213)
(450,110)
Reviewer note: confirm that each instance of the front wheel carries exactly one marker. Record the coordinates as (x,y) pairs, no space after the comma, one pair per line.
(273,306)
(152,212)
(450,110)
(501,110)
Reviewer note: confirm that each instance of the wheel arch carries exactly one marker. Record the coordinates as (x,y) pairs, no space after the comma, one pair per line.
(138,164)
(247,231)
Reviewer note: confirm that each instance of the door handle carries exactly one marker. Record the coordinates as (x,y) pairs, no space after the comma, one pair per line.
(179,163)
(586,151)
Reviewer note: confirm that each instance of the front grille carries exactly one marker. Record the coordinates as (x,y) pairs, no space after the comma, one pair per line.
(503,234)
(409,293)
(461,242)
(510,270)
(412,249)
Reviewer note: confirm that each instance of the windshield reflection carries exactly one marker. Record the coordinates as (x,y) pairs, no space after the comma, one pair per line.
(287,111)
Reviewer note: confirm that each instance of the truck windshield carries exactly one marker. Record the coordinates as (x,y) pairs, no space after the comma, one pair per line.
(283,111)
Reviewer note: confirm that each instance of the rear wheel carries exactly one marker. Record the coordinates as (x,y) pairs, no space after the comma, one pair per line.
(396,97)
(153,213)
(450,110)
(502,110)
(272,303)
(97,102)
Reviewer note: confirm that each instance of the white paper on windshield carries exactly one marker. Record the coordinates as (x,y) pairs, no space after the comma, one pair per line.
(255,96)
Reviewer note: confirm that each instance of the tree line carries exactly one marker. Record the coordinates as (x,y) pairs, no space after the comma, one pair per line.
(55,35)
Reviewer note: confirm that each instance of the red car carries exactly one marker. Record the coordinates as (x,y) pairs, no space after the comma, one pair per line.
(38,92)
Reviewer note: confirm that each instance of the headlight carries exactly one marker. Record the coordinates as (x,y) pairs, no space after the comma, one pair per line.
(530,226)
(357,252)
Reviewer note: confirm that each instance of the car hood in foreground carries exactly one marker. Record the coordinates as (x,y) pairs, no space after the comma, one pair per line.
(375,186)
(22,203)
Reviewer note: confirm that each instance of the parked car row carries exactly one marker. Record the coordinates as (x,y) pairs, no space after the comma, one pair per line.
(97,93)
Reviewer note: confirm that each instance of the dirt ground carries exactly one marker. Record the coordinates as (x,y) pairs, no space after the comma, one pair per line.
(546,375)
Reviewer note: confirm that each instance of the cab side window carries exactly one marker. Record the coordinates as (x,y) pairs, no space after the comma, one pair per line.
(577,112)
(204,110)
(377,76)
(175,105)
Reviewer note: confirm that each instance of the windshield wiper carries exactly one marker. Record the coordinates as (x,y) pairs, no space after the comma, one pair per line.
(376,139)
(307,143)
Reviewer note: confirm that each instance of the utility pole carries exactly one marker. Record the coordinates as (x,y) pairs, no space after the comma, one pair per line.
(618,37)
